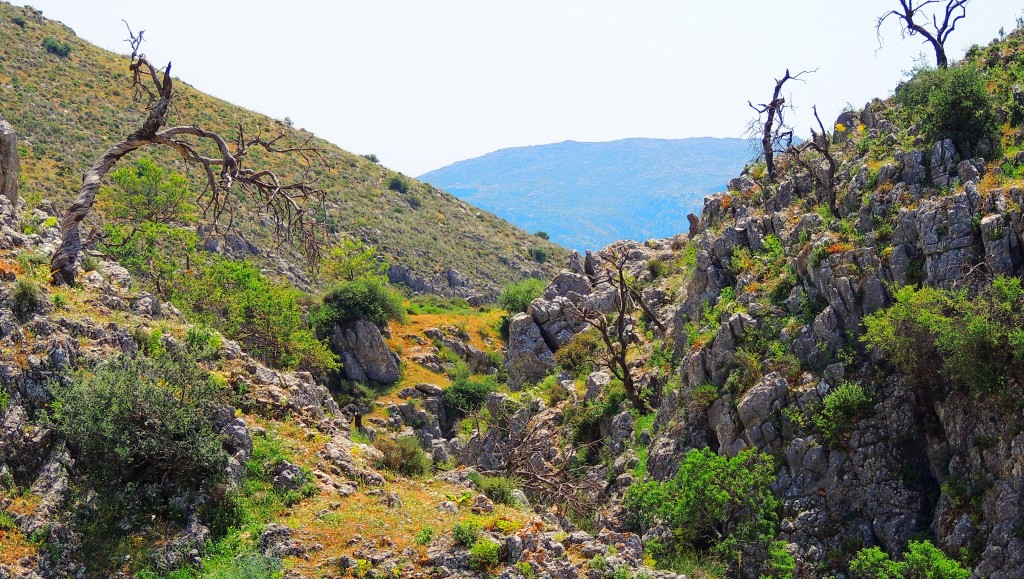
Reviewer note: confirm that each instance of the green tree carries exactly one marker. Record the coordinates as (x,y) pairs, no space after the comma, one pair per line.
(351,260)
(716,504)
(950,103)
(235,298)
(368,298)
(976,341)
(144,193)
(517,296)
(138,421)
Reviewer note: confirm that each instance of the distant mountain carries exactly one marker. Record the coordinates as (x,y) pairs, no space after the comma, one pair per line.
(587,195)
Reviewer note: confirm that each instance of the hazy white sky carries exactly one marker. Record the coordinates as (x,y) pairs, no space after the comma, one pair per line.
(424,83)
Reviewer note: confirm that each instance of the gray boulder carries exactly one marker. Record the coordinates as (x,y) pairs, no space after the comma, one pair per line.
(10,165)
(364,355)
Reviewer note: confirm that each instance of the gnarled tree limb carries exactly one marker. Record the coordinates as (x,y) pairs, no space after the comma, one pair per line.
(223,165)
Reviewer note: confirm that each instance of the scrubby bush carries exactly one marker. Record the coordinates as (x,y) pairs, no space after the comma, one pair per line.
(874,563)
(25,298)
(577,355)
(367,298)
(56,47)
(542,235)
(539,255)
(925,561)
(517,296)
(350,260)
(402,455)
(398,184)
(141,421)
(975,341)
(237,299)
(144,192)
(715,504)
(950,103)
(498,488)
(424,536)
(465,533)
(466,395)
(484,553)
(841,408)
(922,560)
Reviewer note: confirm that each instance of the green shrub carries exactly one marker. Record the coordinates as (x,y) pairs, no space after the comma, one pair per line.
(144,192)
(484,553)
(542,235)
(577,355)
(141,421)
(367,298)
(517,296)
(925,561)
(714,504)
(56,47)
(467,395)
(465,533)
(350,260)
(974,341)
(398,184)
(26,297)
(204,342)
(526,570)
(498,488)
(922,560)
(874,563)
(238,300)
(402,455)
(841,408)
(18,21)
(424,536)
(950,103)
(539,255)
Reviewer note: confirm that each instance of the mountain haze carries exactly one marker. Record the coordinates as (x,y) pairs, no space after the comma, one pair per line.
(588,195)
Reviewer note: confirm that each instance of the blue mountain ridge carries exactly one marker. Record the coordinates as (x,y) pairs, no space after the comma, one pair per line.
(588,195)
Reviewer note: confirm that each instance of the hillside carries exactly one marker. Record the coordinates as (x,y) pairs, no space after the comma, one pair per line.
(823,379)
(67,110)
(587,195)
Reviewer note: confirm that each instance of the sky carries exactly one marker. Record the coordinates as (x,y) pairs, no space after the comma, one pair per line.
(425,83)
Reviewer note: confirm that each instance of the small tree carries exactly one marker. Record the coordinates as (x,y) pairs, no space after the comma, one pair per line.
(820,143)
(913,18)
(223,165)
(771,124)
(614,328)
(144,192)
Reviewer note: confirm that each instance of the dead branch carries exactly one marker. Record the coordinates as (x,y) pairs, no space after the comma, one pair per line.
(953,12)
(775,134)
(224,167)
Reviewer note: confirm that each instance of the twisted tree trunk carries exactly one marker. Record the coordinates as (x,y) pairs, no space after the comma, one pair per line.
(65,261)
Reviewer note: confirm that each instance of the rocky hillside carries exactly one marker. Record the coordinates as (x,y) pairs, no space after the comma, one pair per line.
(542,188)
(68,108)
(821,378)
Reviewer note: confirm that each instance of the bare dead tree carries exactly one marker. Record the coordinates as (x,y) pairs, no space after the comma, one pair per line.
(771,123)
(615,329)
(223,165)
(821,143)
(914,21)
(553,479)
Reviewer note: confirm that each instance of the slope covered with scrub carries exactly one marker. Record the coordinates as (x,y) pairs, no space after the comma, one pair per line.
(69,109)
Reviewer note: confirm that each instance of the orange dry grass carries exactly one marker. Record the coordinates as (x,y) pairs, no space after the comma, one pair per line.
(364,515)
(13,546)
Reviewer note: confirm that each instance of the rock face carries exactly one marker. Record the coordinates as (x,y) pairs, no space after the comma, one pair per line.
(364,355)
(10,166)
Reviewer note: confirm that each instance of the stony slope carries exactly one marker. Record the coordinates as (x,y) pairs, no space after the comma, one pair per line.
(68,110)
(632,188)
